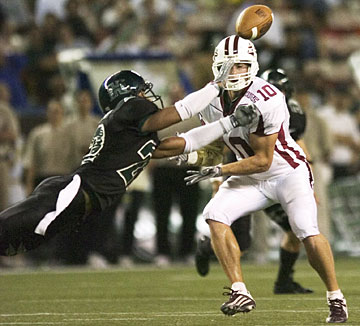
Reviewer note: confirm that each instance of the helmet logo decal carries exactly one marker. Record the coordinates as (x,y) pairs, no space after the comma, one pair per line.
(117,88)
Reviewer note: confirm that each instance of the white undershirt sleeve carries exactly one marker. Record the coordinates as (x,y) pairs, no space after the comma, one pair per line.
(201,136)
(195,102)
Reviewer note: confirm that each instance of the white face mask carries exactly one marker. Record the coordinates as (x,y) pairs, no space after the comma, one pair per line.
(241,51)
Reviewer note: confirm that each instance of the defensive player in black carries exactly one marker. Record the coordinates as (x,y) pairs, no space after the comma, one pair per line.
(125,140)
(290,246)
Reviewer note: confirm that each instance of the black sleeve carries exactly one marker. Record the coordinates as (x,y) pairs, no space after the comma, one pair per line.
(136,111)
(297,119)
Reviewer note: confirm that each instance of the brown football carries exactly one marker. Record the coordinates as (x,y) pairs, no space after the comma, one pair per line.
(254,21)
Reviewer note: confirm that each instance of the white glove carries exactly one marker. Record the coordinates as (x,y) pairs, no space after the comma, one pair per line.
(206,173)
(224,71)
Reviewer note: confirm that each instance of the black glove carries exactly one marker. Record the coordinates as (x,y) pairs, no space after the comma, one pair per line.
(206,173)
(244,115)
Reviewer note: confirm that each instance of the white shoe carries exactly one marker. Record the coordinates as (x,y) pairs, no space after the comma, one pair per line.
(162,261)
(126,262)
(338,311)
(97,261)
(189,260)
(238,302)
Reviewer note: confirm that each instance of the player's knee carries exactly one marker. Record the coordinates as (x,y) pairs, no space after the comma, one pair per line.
(217,216)
(316,245)
(304,230)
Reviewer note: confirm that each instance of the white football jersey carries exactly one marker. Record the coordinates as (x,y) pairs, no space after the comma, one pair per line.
(273,118)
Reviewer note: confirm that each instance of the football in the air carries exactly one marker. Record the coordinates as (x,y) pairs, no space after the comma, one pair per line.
(254,21)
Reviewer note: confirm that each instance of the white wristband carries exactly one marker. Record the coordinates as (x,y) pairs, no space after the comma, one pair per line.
(192,158)
(195,102)
(226,124)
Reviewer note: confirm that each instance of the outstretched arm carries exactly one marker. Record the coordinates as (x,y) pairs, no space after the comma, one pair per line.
(201,136)
(171,146)
(190,106)
(161,119)
(211,154)
(194,139)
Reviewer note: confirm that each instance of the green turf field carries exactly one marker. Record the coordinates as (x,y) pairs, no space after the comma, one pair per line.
(176,296)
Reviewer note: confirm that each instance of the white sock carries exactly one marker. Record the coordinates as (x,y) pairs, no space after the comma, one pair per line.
(239,286)
(331,295)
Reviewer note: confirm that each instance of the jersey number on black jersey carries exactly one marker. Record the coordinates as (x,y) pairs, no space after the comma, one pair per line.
(129,173)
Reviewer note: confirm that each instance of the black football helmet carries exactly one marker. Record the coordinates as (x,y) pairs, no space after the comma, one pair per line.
(122,84)
(279,78)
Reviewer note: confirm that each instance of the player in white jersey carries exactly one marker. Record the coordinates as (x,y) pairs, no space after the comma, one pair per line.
(273,118)
(271,168)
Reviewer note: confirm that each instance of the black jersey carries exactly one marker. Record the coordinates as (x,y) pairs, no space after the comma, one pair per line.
(297,119)
(119,150)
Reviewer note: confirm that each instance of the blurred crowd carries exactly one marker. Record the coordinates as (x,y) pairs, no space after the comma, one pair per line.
(311,39)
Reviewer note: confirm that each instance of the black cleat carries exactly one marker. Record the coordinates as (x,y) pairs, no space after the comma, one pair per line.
(238,302)
(290,287)
(202,255)
(338,311)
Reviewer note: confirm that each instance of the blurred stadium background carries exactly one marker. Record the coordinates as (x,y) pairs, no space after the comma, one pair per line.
(52,49)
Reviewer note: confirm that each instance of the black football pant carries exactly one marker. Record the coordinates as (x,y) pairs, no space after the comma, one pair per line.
(169,187)
(136,198)
(19,222)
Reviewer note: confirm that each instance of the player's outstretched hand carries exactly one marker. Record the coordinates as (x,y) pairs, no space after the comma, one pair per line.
(179,159)
(244,115)
(224,72)
(206,173)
